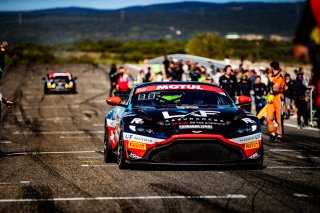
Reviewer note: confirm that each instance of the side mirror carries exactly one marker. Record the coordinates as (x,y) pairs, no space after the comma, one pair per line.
(114,101)
(244,100)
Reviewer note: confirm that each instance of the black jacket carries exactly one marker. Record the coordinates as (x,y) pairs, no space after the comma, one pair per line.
(299,90)
(259,89)
(230,85)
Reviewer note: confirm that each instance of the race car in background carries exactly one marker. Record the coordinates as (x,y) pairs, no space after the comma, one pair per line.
(182,123)
(59,82)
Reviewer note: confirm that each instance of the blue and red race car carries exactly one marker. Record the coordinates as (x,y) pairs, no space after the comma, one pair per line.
(182,123)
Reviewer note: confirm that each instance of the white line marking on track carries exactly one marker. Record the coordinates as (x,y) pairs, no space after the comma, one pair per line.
(293,167)
(98,125)
(5,142)
(84,157)
(230,196)
(98,165)
(293,150)
(55,133)
(305,128)
(70,137)
(300,195)
(97,101)
(51,107)
(43,153)
(303,157)
(55,119)
(15,183)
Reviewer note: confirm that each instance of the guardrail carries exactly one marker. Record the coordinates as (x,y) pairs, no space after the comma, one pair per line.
(309,94)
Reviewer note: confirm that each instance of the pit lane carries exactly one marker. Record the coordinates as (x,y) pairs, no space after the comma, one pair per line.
(51,160)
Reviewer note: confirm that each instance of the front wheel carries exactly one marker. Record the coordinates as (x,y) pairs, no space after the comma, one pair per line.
(121,155)
(45,90)
(109,156)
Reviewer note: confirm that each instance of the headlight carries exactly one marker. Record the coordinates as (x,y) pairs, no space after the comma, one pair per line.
(49,85)
(246,129)
(70,85)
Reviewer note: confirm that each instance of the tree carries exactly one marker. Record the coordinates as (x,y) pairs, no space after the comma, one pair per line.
(208,45)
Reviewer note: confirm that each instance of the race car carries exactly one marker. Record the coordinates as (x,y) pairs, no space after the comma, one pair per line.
(59,82)
(181,123)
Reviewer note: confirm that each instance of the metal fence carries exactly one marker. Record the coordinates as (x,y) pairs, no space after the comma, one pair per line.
(312,109)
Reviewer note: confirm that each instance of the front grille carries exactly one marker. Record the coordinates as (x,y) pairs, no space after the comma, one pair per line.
(196,151)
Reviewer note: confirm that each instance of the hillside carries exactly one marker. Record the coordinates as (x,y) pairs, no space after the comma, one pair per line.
(60,25)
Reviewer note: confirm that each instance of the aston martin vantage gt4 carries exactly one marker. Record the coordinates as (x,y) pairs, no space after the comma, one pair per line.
(181,123)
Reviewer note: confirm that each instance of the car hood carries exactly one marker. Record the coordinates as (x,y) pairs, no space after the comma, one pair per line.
(188,119)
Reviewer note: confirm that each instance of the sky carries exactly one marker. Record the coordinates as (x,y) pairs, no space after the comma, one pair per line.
(18,5)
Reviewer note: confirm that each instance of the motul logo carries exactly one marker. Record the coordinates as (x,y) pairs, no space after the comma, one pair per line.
(179,86)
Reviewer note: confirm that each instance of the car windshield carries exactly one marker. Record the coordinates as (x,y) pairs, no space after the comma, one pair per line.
(60,79)
(181,98)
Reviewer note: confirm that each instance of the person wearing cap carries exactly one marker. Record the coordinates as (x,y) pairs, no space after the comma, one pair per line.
(275,101)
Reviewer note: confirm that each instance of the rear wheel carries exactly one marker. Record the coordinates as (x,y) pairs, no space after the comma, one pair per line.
(121,155)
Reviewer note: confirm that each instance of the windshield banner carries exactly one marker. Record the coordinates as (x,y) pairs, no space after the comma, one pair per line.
(178,87)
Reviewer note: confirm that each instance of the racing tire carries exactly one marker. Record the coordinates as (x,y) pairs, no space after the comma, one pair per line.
(109,156)
(74,89)
(121,155)
(262,157)
(259,164)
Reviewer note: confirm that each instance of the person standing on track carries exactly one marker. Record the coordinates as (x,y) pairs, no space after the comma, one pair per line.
(260,91)
(113,77)
(275,103)
(3,48)
(123,84)
(299,93)
(229,83)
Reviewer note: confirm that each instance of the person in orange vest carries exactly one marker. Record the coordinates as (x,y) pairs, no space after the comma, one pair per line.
(275,101)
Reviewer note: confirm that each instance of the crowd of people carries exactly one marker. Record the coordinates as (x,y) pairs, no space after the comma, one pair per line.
(256,83)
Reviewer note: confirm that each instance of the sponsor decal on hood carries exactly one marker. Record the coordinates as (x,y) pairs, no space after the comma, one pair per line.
(140,138)
(195,127)
(198,113)
(247,139)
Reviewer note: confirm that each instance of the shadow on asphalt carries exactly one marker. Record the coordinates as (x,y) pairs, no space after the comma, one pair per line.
(155,167)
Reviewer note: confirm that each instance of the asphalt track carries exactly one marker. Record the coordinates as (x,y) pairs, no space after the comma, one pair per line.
(51,160)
